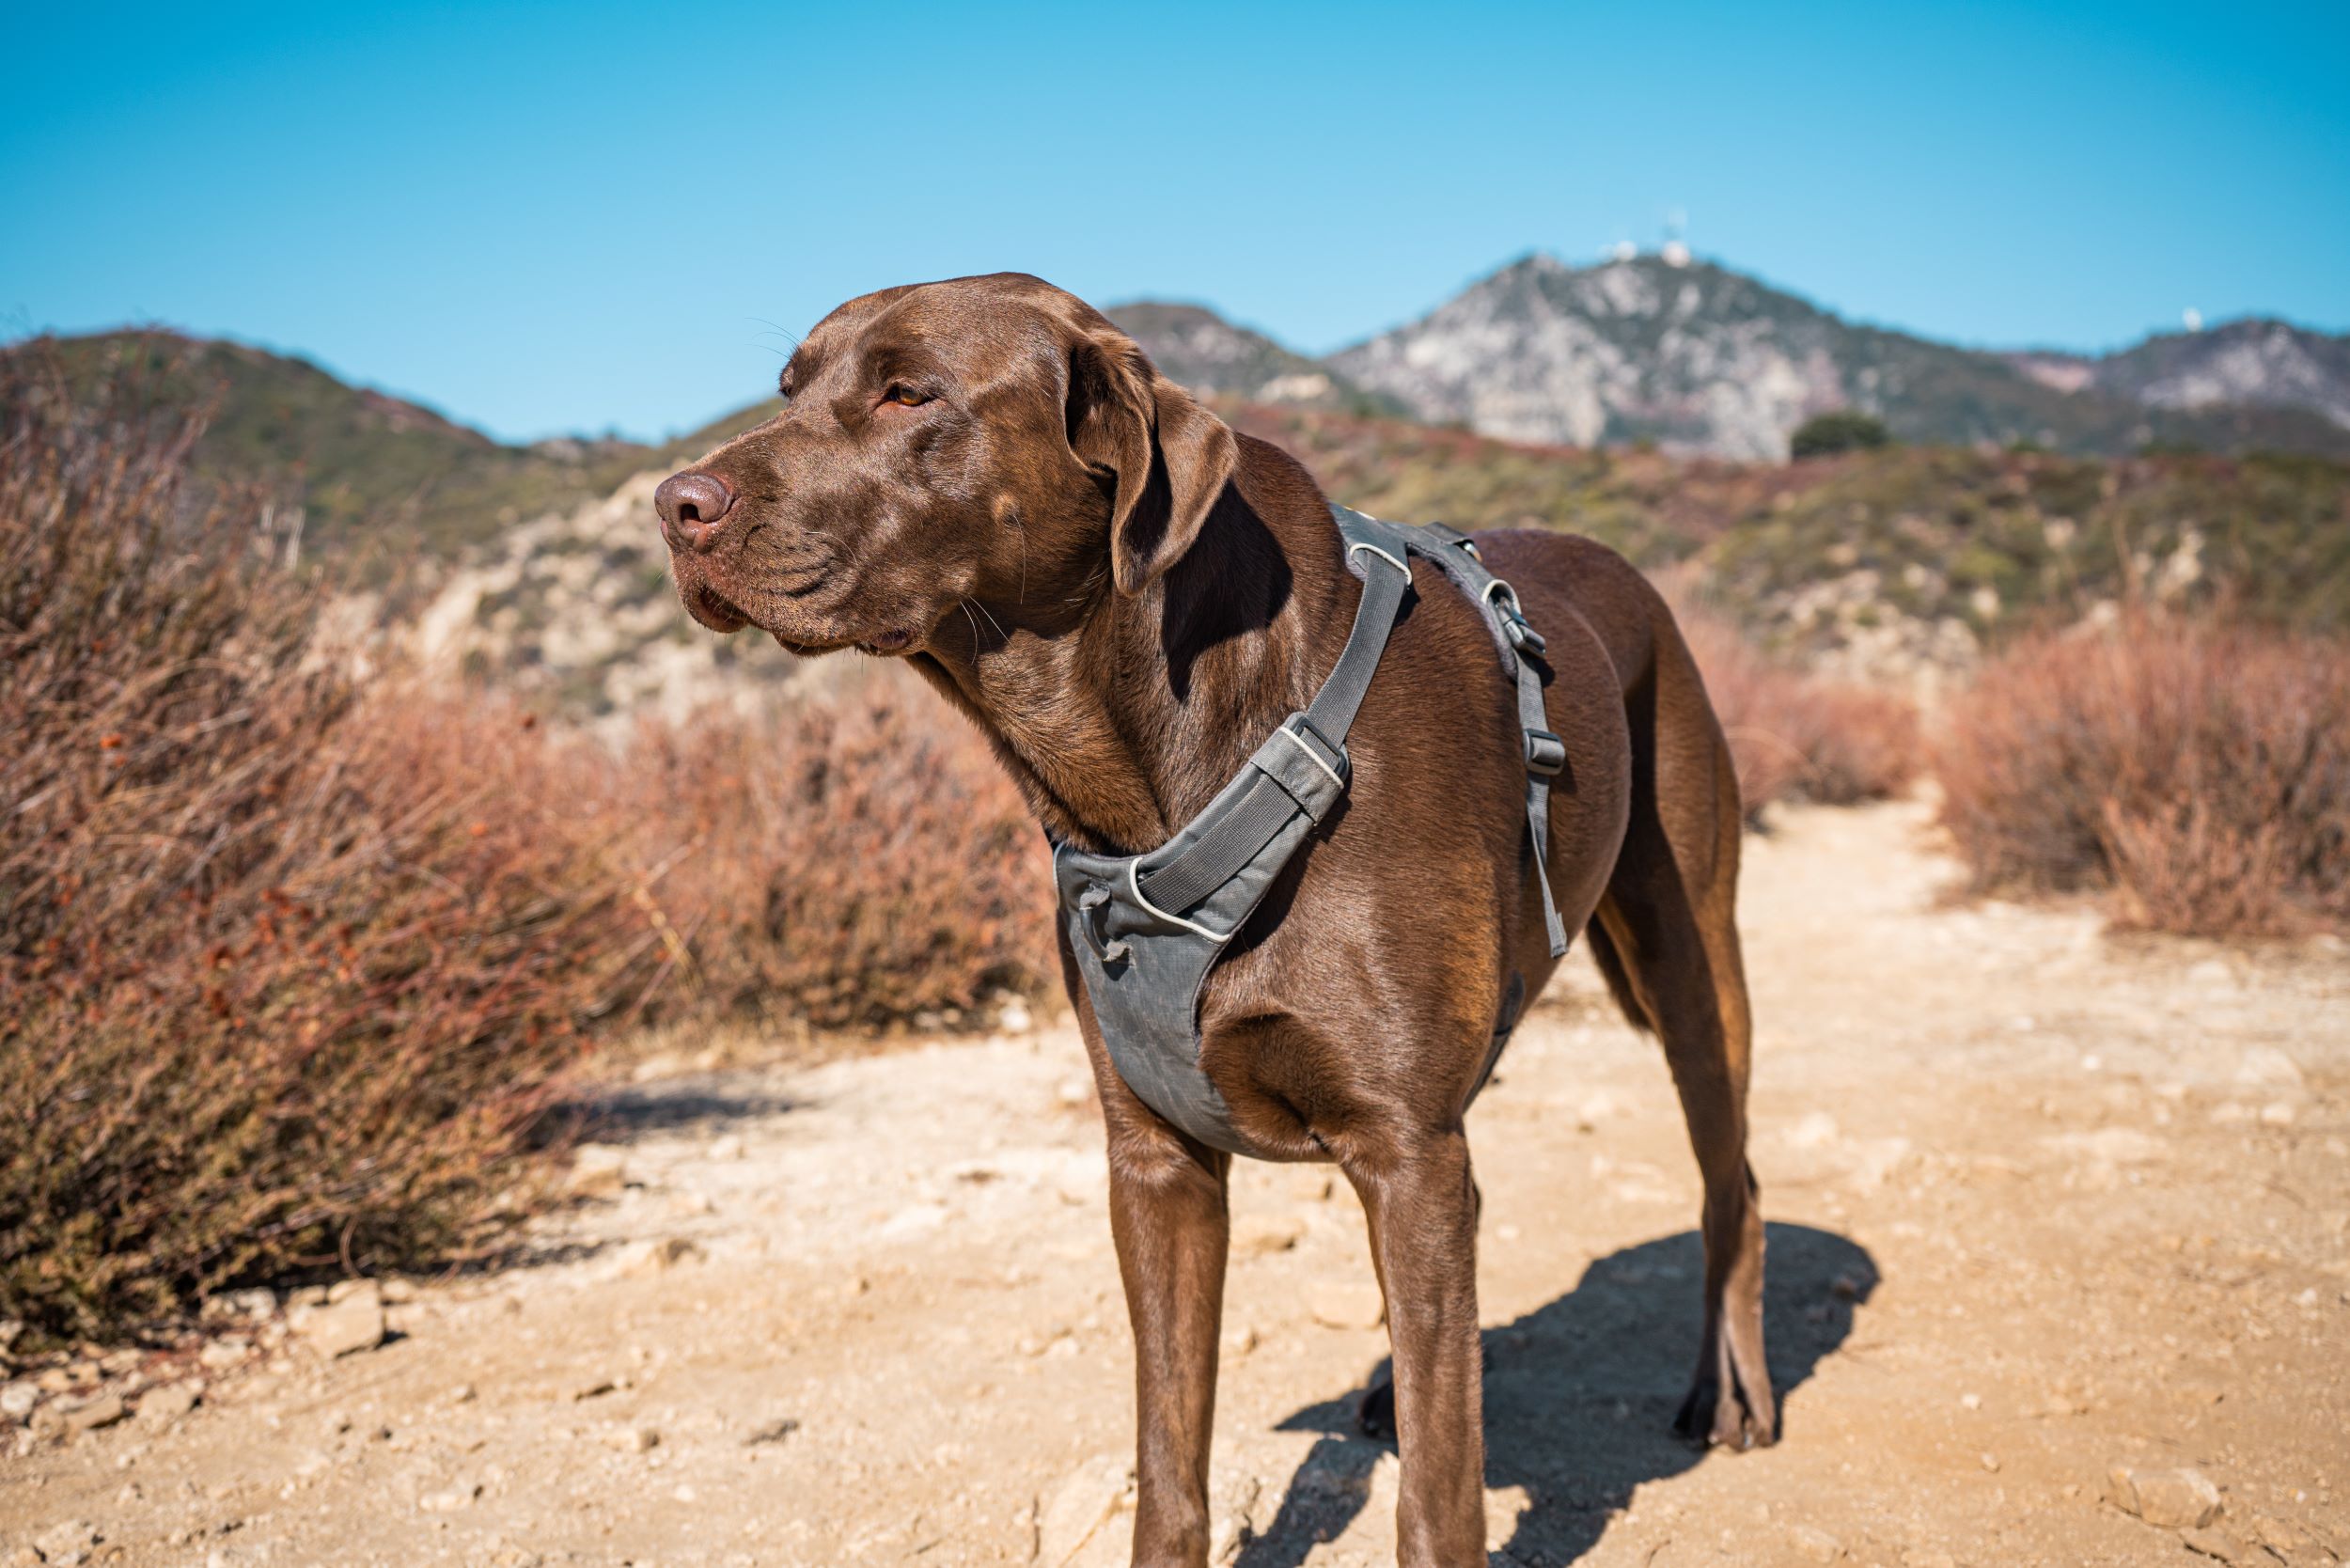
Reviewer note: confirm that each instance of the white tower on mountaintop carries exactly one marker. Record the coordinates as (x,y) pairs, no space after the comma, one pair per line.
(1676,251)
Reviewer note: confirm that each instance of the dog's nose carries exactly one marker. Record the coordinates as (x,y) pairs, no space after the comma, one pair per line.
(691,505)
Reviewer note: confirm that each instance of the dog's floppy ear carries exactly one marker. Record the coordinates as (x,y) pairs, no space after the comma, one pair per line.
(1167,456)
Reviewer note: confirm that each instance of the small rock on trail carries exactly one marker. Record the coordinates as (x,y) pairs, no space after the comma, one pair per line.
(1347,1305)
(2174,1500)
(1072,1516)
(344,1327)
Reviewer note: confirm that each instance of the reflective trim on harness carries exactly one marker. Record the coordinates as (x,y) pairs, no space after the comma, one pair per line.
(1298,741)
(1133,886)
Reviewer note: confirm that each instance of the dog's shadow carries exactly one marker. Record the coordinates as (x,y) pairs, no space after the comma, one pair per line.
(1580,1394)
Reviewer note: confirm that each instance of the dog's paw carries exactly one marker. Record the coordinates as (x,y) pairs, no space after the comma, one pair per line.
(1717,1418)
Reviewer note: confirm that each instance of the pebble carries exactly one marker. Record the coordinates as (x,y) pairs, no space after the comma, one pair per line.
(1814,1545)
(633,1439)
(598,1170)
(255,1303)
(2174,1500)
(727,1149)
(1079,1505)
(67,1544)
(641,1259)
(449,1499)
(346,1325)
(1347,1306)
(2214,1544)
(2278,1536)
(1261,1235)
(221,1355)
(2212,974)
(167,1404)
(18,1399)
(103,1410)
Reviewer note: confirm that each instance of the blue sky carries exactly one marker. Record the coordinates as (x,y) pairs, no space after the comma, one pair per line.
(582,217)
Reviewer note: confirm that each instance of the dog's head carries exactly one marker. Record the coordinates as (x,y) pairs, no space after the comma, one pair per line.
(989,438)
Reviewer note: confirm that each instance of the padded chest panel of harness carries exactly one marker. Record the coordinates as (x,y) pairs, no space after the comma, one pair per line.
(1146,928)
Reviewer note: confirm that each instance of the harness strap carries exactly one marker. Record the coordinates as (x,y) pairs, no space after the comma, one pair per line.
(1266,805)
(1545,756)
(1546,753)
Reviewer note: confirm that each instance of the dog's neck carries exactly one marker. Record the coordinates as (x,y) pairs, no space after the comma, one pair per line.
(1121,726)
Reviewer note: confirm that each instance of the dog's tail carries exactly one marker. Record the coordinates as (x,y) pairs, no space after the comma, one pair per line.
(1619,981)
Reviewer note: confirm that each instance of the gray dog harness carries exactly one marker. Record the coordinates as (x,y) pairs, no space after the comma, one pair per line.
(1146,928)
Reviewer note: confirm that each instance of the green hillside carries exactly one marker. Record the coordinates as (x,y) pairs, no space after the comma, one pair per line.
(379,478)
(1815,552)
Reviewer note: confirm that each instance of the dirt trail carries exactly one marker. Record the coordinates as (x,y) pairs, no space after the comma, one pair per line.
(2043,1202)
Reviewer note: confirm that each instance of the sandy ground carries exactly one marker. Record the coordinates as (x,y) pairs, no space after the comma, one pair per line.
(2043,1202)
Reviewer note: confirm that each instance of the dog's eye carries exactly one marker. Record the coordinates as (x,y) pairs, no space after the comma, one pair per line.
(903,396)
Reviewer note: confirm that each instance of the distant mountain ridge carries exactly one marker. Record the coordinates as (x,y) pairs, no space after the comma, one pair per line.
(1702,359)
(2256,362)
(1196,348)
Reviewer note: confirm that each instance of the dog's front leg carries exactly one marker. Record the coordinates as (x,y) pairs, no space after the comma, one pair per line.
(1421,1202)
(1169,1218)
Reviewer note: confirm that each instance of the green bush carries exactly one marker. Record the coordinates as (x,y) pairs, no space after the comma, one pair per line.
(1843,429)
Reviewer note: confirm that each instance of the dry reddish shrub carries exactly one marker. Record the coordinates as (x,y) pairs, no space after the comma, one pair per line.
(2199,770)
(292,969)
(288,972)
(853,860)
(1795,734)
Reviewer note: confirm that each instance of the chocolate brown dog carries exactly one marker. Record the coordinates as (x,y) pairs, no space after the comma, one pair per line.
(986,476)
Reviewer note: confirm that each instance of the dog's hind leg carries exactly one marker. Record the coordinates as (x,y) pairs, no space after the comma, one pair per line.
(1666,932)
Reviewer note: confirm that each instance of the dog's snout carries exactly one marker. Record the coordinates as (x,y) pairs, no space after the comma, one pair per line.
(692,504)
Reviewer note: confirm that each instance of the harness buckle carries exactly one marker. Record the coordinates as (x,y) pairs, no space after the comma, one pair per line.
(1093,914)
(1546,753)
(1504,601)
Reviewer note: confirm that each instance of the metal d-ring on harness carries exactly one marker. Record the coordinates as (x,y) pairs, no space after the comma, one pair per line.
(1146,928)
